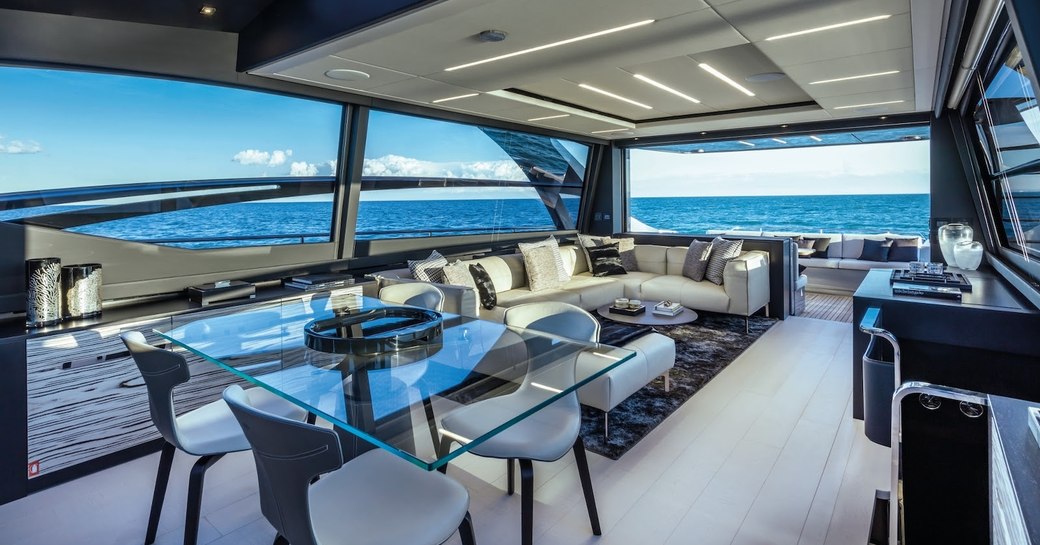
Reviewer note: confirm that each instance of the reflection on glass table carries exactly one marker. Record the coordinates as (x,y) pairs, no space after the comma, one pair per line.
(390,398)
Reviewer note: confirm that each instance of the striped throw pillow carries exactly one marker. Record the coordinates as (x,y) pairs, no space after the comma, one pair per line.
(722,251)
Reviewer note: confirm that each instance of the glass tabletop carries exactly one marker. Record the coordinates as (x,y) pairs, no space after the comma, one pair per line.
(387,375)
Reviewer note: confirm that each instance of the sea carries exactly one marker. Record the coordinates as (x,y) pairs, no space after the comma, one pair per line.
(272,223)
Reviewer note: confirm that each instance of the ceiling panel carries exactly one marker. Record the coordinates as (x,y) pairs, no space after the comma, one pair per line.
(892,33)
(569,91)
(760,19)
(906,95)
(740,62)
(871,63)
(314,71)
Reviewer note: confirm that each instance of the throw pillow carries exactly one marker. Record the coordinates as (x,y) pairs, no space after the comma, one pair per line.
(606,260)
(627,249)
(430,269)
(457,274)
(804,242)
(485,287)
(697,257)
(722,252)
(588,241)
(875,250)
(903,249)
(554,247)
(542,273)
(821,246)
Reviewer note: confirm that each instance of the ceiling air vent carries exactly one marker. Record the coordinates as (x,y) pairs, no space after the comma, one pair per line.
(492,36)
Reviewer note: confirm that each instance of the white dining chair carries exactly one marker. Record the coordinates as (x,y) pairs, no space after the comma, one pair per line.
(208,432)
(374,499)
(546,435)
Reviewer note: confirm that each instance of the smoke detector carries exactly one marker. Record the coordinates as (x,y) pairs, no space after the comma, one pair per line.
(492,36)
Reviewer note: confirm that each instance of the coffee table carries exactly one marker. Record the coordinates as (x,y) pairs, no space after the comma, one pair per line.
(648,317)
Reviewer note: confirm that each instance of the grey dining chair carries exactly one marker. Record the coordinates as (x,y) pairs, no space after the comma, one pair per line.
(209,431)
(416,294)
(374,499)
(546,435)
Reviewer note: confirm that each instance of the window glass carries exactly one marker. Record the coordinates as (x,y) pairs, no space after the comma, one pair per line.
(862,182)
(425,177)
(167,162)
(1008,126)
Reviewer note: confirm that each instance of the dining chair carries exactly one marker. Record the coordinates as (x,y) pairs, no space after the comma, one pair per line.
(374,499)
(208,432)
(416,294)
(544,436)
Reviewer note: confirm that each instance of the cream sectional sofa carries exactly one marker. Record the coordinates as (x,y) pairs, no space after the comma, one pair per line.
(745,287)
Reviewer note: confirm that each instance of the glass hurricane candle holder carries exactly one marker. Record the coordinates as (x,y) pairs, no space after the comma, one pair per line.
(949,235)
(81,290)
(968,254)
(42,291)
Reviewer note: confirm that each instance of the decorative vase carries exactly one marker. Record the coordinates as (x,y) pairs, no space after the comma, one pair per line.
(949,235)
(81,290)
(968,254)
(42,291)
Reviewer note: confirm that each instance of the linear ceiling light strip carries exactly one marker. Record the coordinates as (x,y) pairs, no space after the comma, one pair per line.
(707,68)
(828,27)
(849,78)
(614,96)
(664,87)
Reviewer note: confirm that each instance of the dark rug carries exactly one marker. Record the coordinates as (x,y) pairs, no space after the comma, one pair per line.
(702,350)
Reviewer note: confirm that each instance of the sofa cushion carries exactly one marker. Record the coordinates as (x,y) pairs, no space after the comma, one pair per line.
(632,282)
(652,258)
(596,291)
(696,262)
(819,262)
(485,287)
(875,250)
(430,269)
(523,295)
(904,249)
(605,260)
(697,295)
(573,259)
(722,251)
(864,265)
(543,271)
(506,271)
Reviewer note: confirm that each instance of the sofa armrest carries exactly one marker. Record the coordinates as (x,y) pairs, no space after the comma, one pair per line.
(746,280)
(460,300)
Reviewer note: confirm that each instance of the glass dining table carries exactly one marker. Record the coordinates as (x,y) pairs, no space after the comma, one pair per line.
(384,377)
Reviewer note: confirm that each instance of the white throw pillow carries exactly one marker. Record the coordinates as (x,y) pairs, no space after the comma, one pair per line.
(554,247)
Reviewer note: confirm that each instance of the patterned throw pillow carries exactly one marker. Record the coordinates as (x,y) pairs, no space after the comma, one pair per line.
(554,247)
(722,252)
(542,273)
(457,274)
(588,241)
(606,260)
(696,263)
(627,249)
(485,287)
(430,269)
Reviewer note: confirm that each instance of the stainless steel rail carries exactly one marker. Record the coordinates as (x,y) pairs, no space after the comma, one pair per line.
(869,326)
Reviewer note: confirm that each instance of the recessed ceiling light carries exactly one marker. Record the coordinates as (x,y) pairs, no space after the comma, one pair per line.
(549,117)
(346,74)
(779,141)
(614,96)
(828,27)
(446,99)
(553,44)
(707,68)
(207,10)
(867,104)
(765,77)
(609,130)
(745,143)
(664,87)
(861,76)
(816,138)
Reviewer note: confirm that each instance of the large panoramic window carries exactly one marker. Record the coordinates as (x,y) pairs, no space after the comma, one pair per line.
(853,182)
(1007,121)
(165,162)
(424,177)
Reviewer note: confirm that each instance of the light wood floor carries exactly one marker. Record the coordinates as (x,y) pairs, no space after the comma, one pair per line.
(824,306)
(767,453)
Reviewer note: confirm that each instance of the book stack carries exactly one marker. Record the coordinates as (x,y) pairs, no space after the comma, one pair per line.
(667,308)
(317,282)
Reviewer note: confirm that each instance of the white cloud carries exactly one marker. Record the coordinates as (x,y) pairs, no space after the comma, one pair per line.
(303,168)
(19,146)
(396,165)
(332,166)
(259,157)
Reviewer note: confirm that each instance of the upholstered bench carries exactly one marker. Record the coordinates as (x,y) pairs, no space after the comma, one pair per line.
(655,356)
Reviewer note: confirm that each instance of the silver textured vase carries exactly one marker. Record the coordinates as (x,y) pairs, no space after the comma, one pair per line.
(81,290)
(42,291)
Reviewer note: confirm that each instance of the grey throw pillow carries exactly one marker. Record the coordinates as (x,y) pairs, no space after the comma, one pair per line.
(457,274)
(430,269)
(722,252)
(696,263)
(627,249)
(541,269)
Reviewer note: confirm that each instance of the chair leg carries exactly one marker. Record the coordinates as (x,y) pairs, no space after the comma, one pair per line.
(747,324)
(667,381)
(606,425)
(431,421)
(510,476)
(194,511)
(465,531)
(442,448)
(526,502)
(162,478)
(586,484)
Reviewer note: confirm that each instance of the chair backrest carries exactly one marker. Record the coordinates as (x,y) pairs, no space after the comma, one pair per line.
(555,318)
(416,294)
(288,455)
(162,370)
